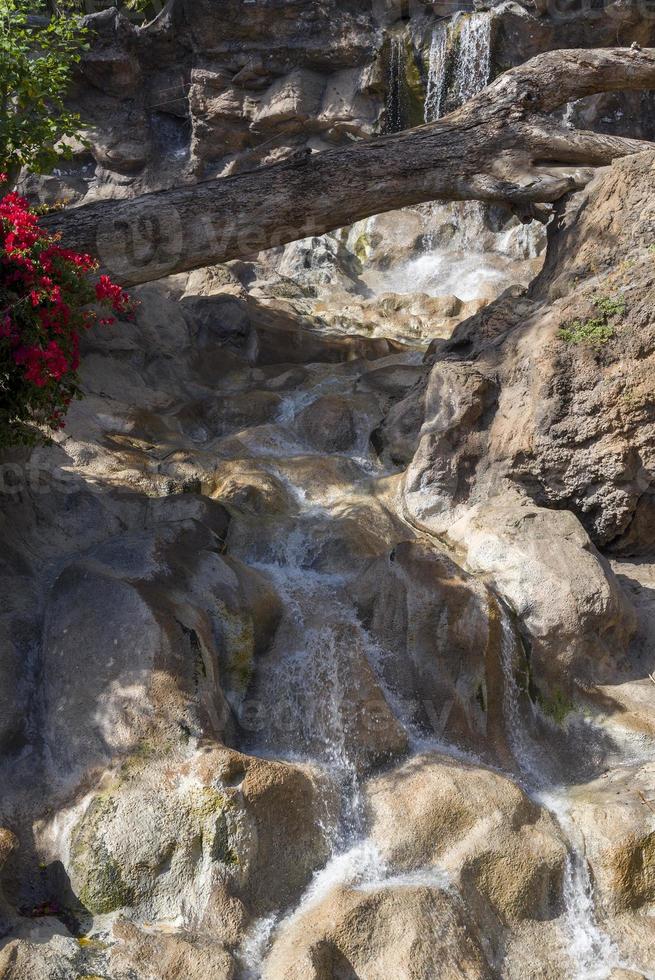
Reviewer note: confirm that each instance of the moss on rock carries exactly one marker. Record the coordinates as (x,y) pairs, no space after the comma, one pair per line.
(101,885)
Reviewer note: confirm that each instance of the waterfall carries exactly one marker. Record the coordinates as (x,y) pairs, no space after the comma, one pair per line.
(466,40)
(516,735)
(474,56)
(436,87)
(592,953)
(461,46)
(394,107)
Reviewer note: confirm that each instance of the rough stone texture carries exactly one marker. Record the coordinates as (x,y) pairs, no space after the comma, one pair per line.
(441,632)
(532,420)
(413,930)
(506,854)
(221,565)
(207,842)
(162,957)
(620,827)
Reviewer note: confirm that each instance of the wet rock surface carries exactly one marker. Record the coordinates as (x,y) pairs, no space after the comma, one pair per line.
(329,619)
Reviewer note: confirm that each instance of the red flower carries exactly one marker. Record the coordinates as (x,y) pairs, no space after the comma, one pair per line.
(47,295)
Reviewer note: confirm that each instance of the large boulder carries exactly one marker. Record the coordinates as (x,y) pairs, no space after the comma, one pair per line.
(448,649)
(543,402)
(506,855)
(408,931)
(208,842)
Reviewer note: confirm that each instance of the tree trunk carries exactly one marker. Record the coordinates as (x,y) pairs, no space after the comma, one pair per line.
(500,147)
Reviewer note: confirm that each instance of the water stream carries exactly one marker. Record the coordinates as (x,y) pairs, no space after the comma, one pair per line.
(592,953)
(323,656)
(322,660)
(394,121)
(437,73)
(474,55)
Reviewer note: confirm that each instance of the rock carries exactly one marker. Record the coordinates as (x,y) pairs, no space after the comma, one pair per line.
(449,676)
(192,844)
(325,606)
(15,636)
(8,843)
(248,489)
(47,957)
(397,438)
(290,102)
(230,414)
(159,956)
(619,830)
(579,625)
(333,688)
(541,415)
(467,822)
(138,682)
(328,424)
(379,932)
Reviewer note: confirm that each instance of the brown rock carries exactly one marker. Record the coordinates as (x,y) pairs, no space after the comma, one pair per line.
(403,932)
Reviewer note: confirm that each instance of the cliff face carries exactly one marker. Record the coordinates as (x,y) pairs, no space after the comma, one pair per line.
(213,87)
(328,620)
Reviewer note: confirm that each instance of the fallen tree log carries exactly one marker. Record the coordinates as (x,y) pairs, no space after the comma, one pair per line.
(502,146)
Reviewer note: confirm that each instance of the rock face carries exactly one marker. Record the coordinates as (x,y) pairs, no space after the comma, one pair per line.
(432,812)
(328,618)
(540,405)
(379,933)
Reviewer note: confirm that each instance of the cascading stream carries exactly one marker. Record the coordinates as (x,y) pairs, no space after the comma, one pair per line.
(437,70)
(394,102)
(592,953)
(308,674)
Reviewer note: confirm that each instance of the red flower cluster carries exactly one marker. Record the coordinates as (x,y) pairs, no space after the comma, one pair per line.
(46,294)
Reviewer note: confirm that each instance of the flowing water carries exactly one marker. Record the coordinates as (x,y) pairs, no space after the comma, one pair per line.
(437,73)
(474,59)
(592,953)
(323,657)
(396,82)
(323,661)
(459,65)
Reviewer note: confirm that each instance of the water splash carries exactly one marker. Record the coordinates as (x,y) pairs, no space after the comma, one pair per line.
(466,41)
(254,947)
(592,953)
(521,746)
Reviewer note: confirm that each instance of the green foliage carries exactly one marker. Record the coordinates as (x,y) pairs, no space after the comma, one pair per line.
(609,307)
(37,57)
(597,330)
(594,332)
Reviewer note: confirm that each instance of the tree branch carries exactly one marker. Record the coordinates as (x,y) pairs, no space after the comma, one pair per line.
(499,147)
